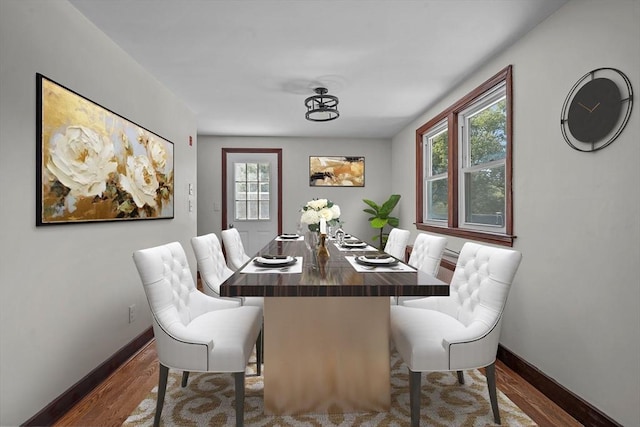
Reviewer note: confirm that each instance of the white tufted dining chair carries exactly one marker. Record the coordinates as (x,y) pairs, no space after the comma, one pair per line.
(427,253)
(460,331)
(213,268)
(425,256)
(194,332)
(397,242)
(236,256)
(213,271)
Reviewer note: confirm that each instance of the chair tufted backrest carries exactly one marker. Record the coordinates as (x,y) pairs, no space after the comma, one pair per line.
(397,242)
(236,257)
(211,263)
(427,253)
(481,283)
(167,281)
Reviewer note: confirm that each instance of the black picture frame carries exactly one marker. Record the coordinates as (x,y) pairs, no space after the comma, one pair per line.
(93,165)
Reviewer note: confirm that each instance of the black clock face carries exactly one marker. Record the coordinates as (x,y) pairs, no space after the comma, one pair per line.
(594,110)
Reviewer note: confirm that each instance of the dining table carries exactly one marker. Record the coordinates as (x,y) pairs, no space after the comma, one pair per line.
(326,321)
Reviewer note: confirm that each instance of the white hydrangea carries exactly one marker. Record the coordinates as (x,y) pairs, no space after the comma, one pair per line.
(316,209)
(310,217)
(326,213)
(317,204)
(335,210)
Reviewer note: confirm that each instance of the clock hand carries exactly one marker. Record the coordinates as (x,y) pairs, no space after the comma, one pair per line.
(584,106)
(596,106)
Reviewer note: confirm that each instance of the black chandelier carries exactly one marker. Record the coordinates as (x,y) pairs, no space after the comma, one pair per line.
(321,107)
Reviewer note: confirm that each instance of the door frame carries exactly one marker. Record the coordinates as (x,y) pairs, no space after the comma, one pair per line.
(225,152)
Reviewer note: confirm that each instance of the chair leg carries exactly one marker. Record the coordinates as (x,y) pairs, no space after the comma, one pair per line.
(491,384)
(239,377)
(262,341)
(185,378)
(414,397)
(259,350)
(162,388)
(460,377)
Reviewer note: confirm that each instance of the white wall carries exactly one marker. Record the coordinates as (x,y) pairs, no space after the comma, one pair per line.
(65,290)
(295,183)
(574,310)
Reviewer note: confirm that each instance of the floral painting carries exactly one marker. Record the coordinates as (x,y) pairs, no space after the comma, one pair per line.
(94,165)
(336,171)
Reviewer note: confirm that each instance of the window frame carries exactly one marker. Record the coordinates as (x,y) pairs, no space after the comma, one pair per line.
(428,138)
(453,227)
(247,200)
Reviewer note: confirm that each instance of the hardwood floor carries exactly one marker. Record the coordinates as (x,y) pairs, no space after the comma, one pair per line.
(113,400)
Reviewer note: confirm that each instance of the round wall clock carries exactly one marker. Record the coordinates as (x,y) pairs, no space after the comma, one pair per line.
(596,109)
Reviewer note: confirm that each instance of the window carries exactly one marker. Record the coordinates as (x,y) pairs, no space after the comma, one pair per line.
(437,182)
(251,197)
(464,171)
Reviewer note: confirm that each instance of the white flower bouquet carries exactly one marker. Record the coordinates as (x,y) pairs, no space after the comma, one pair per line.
(316,209)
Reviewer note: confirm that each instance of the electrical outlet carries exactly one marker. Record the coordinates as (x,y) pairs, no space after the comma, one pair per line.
(132,313)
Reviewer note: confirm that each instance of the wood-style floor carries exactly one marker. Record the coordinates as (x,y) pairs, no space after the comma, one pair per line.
(113,400)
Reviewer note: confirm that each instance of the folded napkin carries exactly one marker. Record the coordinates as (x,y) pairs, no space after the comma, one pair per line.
(397,268)
(367,248)
(295,268)
(289,239)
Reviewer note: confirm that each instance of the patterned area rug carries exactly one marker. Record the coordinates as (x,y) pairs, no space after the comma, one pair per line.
(208,400)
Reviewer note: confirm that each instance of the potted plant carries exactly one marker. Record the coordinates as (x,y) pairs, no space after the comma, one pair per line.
(381,217)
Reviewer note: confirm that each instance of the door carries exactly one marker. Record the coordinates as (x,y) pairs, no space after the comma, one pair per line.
(251,195)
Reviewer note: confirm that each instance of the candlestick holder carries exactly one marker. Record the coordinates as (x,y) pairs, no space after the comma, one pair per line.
(323,252)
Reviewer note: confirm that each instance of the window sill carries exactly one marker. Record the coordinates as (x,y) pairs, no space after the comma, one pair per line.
(481,236)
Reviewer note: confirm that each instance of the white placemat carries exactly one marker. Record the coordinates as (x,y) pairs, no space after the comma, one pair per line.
(251,267)
(367,248)
(298,239)
(398,268)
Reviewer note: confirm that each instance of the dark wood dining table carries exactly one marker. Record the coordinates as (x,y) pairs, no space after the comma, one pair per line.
(326,327)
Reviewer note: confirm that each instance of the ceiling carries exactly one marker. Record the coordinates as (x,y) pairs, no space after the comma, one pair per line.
(245,67)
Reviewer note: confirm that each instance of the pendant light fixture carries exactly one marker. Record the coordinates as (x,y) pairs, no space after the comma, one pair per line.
(321,107)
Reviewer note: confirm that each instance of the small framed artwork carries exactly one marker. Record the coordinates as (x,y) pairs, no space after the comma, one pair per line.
(335,171)
(93,165)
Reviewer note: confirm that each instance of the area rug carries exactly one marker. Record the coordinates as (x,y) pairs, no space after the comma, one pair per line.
(209,399)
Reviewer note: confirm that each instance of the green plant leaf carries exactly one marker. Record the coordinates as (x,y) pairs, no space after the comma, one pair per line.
(389,205)
(380,217)
(374,205)
(378,222)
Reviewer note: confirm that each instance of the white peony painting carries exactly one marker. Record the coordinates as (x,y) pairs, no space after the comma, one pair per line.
(94,165)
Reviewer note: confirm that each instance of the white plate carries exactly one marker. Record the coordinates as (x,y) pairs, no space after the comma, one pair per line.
(376,259)
(354,244)
(273,261)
